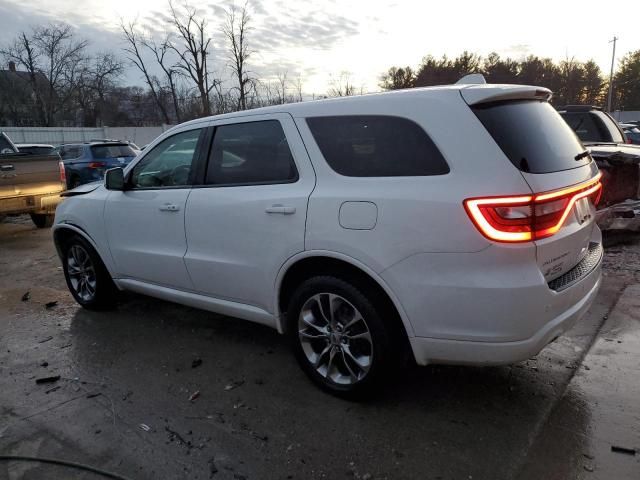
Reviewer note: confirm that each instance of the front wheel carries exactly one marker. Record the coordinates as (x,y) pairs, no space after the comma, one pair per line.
(42,220)
(87,278)
(339,337)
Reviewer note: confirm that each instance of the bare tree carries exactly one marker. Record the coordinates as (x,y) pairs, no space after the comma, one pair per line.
(298,86)
(192,47)
(342,86)
(235,30)
(134,51)
(172,73)
(281,88)
(51,55)
(97,77)
(61,56)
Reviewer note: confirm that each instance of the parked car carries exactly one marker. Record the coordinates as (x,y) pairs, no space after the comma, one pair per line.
(592,124)
(631,132)
(29,183)
(37,148)
(361,227)
(87,162)
(618,160)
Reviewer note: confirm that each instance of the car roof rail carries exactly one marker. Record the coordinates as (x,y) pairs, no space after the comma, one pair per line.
(472,79)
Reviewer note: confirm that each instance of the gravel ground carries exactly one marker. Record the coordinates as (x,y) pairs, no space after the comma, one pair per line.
(155,390)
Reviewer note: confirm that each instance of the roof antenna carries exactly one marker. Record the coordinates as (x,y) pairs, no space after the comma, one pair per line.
(472,79)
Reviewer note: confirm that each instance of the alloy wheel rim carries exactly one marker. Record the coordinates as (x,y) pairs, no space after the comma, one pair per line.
(335,339)
(81,271)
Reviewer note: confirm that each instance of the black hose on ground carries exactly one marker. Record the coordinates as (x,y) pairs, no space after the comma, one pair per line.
(64,463)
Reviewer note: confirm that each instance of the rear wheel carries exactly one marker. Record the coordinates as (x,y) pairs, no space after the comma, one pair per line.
(339,337)
(42,220)
(87,278)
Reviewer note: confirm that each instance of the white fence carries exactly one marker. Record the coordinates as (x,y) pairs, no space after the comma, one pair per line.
(55,135)
(626,116)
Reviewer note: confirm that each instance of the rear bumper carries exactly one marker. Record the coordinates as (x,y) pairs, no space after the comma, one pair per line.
(44,203)
(459,352)
(488,307)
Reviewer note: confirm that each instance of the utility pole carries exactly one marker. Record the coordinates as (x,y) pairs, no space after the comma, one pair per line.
(613,60)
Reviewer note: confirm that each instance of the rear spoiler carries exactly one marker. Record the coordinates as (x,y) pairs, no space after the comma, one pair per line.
(477,94)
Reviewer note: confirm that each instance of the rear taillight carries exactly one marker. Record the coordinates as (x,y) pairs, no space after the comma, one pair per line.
(523,218)
(63,173)
(97,165)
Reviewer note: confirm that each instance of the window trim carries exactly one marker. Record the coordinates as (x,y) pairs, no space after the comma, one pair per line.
(193,174)
(214,130)
(373,177)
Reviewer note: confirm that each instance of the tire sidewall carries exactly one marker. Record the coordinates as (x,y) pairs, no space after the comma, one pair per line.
(104,285)
(377,328)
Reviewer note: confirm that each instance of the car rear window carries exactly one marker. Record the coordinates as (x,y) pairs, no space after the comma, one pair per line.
(112,151)
(532,135)
(376,146)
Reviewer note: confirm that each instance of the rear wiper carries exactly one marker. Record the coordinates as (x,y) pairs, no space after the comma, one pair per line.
(580,156)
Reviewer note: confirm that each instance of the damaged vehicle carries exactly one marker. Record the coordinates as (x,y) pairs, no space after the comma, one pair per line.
(617,159)
(358,227)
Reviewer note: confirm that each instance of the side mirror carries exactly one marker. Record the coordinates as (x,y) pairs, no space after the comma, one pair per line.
(114,179)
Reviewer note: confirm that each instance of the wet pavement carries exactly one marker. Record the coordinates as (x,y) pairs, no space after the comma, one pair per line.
(159,391)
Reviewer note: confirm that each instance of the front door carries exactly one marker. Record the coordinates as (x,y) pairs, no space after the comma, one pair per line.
(145,223)
(249,216)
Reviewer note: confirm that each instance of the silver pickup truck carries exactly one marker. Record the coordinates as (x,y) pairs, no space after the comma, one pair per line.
(29,183)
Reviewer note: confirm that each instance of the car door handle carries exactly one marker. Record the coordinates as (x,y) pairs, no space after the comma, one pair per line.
(281,209)
(6,168)
(169,207)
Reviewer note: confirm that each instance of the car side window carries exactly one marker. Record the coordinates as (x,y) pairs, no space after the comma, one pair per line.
(69,152)
(169,163)
(250,153)
(376,146)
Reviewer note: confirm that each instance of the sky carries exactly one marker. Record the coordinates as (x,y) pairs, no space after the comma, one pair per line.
(317,40)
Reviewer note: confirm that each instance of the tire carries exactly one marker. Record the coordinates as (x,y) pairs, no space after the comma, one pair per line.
(42,220)
(362,350)
(87,278)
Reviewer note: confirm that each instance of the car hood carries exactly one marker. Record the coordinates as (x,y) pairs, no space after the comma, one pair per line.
(82,189)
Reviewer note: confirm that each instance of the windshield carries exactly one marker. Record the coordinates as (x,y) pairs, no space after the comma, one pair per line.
(112,151)
(532,135)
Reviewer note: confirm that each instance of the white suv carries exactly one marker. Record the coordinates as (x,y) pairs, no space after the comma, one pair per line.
(455,223)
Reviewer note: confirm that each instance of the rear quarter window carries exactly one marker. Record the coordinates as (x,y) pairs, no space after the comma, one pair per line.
(112,151)
(532,135)
(376,146)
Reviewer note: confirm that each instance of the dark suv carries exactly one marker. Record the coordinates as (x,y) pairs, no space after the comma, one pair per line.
(592,124)
(610,148)
(87,162)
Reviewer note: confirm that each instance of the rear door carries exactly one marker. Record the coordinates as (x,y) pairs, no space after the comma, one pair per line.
(543,147)
(248,217)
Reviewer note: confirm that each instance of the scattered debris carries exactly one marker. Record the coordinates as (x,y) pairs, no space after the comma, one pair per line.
(194,395)
(588,468)
(233,385)
(145,427)
(44,340)
(625,450)
(44,364)
(127,395)
(173,435)
(196,363)
(212,468)
(50,305)
(93,395)
(586,455)
(26,297)
(51,379)
(52,390)
(66,346)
